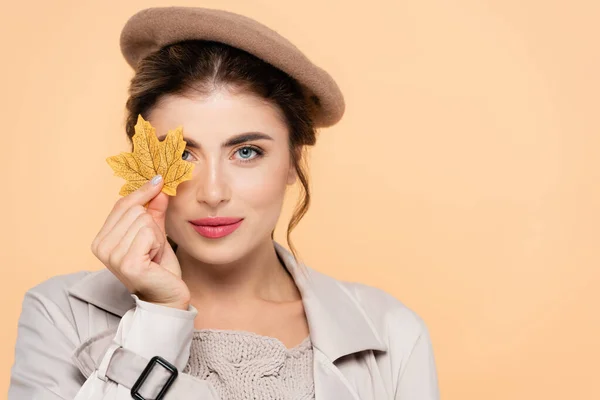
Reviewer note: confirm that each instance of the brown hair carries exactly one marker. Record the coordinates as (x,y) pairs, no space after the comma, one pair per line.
(200,67)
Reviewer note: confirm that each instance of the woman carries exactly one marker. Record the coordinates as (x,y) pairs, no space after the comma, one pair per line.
(198,301)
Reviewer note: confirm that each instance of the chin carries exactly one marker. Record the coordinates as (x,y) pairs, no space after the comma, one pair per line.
(223,250)
(219,254)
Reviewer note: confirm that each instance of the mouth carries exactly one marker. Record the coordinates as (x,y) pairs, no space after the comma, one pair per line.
(217,227)
(216,221)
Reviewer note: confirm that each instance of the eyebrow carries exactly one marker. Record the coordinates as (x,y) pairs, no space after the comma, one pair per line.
(232,141)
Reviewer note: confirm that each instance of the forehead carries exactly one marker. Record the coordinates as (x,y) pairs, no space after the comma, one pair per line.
(218,115)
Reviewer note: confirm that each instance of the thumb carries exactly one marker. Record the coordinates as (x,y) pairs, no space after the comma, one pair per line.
(157,208)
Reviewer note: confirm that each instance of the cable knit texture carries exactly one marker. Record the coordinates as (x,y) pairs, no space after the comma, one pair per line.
(244,365)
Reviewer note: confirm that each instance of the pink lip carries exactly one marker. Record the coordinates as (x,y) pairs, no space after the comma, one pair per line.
(215,221)
(214,230)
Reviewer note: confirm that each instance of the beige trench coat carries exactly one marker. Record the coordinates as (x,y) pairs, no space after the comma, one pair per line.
(83,336)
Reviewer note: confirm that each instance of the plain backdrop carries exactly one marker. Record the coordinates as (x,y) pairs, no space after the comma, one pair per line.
(464,178)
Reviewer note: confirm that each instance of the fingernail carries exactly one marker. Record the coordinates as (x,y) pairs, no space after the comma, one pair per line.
(156,180)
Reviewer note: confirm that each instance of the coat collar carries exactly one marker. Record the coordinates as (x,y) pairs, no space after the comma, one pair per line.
(338,324)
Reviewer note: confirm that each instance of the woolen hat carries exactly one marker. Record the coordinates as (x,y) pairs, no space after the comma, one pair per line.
(152,28)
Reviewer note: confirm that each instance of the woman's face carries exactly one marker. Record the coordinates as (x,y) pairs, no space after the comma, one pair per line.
(245,180)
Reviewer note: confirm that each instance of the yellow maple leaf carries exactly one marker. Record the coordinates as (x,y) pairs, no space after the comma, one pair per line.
(151,157)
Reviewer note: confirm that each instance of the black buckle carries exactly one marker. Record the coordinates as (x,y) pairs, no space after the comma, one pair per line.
(140,381)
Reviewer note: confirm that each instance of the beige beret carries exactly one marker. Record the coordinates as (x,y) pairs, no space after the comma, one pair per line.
(152,28)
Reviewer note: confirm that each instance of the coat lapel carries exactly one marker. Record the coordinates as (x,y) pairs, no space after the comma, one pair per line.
(330,383)
(338,324)
(338,327)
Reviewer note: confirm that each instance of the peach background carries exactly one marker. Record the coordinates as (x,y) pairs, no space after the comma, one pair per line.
(464,178)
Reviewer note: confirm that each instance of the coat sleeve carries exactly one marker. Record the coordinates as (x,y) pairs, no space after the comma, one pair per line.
(418,379)
(46,339)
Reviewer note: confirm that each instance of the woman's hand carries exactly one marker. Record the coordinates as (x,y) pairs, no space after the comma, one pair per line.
(133,245)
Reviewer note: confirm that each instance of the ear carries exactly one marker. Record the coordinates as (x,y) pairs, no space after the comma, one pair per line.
(292,174)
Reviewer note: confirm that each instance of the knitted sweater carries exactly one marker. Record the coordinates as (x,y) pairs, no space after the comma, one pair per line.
(244,365)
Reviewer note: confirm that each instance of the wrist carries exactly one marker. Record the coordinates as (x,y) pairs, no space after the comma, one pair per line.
(179,305)
(182,308)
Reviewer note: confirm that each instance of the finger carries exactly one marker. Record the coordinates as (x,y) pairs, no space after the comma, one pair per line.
(136,261)
(159,236)
(142,221)
(157,207)
(141,196)
(112,239)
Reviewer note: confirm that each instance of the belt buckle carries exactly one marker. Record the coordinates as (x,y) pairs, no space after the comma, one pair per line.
(142,378)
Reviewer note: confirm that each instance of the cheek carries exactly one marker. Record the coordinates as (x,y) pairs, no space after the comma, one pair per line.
(259,187)
(263,186)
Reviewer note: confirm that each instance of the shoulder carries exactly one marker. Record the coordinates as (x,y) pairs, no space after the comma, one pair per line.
(56,287)
(51,296)
(396,325)
(398,328)
(390,315)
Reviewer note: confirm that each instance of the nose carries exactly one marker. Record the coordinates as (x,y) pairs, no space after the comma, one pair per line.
(213,187)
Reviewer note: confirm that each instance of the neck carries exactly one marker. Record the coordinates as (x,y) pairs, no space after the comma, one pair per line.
(257,276)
